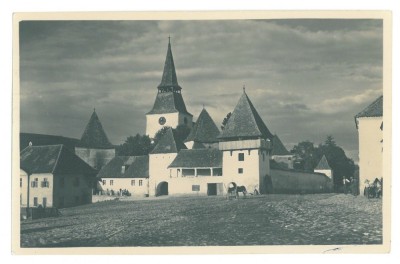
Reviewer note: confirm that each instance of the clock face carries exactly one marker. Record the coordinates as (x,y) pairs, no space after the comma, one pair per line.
(162,120)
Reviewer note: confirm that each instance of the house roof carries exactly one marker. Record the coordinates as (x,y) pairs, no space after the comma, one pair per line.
(138,167)
(198,145)
(94,135)
(278,149)
(205,130)
(168,143)
(52,159)
(169,102)
(169,79)
(373,110)
(43,140)
(245,122)
(198,158)
(323,164)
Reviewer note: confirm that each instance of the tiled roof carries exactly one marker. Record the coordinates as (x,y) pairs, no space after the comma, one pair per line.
(374,109)
(278,149)
(94,135)
(198,158)
(205,130)
(169,79)
(169,102)
(44,140)
(137,167)
(53,159)
(245,122)
(323,164)
(198,145)
(168,143)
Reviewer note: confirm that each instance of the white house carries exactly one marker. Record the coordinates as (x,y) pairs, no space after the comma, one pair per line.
(126,173)
(323,167)
(53,176)
(369,123)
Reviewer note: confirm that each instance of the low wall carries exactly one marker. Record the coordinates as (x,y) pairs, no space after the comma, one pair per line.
(291,181)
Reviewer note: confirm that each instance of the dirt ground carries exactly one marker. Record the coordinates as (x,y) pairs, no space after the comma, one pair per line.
(321,219)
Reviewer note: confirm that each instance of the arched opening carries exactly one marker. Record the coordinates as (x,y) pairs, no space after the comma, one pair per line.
(162,188)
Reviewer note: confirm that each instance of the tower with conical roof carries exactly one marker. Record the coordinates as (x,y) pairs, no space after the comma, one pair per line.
(204,132)
(169,108)
(94,147)
(246,145)
(323,167)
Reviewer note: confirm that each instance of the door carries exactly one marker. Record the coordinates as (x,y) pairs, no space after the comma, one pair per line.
(211,189)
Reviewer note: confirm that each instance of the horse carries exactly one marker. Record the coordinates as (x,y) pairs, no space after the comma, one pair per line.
(234,190)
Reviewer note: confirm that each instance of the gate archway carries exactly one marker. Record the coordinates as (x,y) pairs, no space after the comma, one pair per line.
(162,188)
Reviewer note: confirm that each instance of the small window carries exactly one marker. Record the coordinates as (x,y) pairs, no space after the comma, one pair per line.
(35,201)
(104,182)
(44,203)
(44,183)
(133,182)
(241,156)
(111,182)
(35,183)
(140,182)
(240,170)
(195,188)
(20,182)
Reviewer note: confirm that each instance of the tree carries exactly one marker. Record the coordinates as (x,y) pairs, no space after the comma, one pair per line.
(225,121)
(135,146)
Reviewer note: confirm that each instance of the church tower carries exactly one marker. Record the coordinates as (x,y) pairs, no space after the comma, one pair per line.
(169,108)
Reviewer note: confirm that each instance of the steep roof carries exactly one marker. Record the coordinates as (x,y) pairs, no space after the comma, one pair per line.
(198,145)
(94,135)
(169,79)
(43,140)
(52,159)
(169,102)
(245,122)
(198,158)
(373,110)
(168,143)
(278,149)
(323,164)
(138,167)
(205,130)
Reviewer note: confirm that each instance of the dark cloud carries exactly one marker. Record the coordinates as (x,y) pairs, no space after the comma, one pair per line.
(307,77)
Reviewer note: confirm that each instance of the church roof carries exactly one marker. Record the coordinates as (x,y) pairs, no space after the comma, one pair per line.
(94,135)
(205,130)
(198,158)
(245,122)
(43,140)
(278,149)
(52,159)
(137,167)
(323,164)
(169,79)
(373,110)
(169,102)
(168,143)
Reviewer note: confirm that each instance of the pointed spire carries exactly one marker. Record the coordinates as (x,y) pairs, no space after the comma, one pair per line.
(245,122)
(169,81)
(94,135)
(205,130)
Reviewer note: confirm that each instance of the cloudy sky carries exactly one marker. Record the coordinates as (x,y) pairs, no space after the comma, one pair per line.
(306,78)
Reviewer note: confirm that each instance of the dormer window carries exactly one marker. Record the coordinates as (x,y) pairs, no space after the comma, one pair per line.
(124,168)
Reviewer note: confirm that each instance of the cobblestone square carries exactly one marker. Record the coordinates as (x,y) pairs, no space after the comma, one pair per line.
(319,219)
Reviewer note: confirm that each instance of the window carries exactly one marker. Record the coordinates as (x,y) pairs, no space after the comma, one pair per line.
(111,182)
(124,168)
(240,170)
(140,182)
(195,188)
(44,203)
(133,182)
(20,182)
(35,201)
(104,182)
(35,183)
(44,183)
(241,156)
(76,182)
